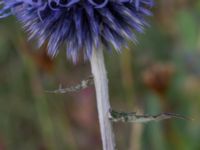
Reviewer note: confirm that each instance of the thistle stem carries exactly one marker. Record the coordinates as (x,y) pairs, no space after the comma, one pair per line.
(102,96)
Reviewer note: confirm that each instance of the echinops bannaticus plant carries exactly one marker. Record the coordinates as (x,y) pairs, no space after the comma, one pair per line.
(83,26)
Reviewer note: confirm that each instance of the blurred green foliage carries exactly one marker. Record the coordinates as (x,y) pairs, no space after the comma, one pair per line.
(160,74)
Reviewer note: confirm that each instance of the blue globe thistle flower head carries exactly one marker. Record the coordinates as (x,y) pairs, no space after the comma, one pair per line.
(80,25)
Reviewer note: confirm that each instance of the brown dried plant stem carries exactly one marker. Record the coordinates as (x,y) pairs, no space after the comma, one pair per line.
(102,96)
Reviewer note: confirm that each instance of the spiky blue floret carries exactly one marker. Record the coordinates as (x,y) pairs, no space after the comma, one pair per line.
(81,25)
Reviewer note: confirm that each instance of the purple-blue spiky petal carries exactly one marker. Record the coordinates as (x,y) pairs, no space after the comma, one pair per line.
(80,25)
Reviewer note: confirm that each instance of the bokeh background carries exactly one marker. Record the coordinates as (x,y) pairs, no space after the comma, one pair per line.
(160,74)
